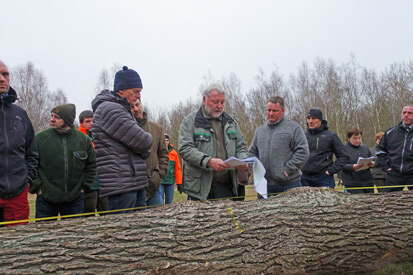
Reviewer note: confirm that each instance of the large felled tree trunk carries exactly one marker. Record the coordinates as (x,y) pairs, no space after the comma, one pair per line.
(301,231)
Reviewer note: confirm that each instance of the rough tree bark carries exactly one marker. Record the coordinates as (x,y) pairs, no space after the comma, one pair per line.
(301,231)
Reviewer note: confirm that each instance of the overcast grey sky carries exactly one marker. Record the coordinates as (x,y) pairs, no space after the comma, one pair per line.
(173,44)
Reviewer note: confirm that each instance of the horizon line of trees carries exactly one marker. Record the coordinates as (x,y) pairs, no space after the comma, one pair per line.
(349,95)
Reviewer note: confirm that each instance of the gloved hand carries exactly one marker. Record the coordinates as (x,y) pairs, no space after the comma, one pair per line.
(180,188)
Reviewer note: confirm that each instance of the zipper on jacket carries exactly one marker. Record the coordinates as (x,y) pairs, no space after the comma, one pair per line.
(411,143)
(404,148)
(66,162)
(316,146)
(6,138)
(131,164)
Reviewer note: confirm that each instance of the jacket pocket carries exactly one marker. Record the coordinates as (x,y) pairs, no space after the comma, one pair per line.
(79,158)
(232,134)
(192,179)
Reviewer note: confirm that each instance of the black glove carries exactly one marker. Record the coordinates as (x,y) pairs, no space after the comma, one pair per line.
(180,188)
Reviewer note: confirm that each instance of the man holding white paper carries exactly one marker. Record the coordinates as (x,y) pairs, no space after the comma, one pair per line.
(281,146)
(207,137)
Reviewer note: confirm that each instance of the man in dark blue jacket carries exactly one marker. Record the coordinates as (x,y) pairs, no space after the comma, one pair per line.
(395,152)
(320,169)
(19,156)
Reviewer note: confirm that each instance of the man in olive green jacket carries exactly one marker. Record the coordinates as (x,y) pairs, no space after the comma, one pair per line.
(67,166)
(207,137)
(157,162)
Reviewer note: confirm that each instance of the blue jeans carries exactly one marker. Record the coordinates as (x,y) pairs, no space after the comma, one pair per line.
(48,209)
(318,181)
(275,189)
(167,192)
(126,200)
(156,199)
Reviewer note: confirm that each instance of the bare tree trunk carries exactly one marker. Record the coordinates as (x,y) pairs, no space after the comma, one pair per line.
(301,231)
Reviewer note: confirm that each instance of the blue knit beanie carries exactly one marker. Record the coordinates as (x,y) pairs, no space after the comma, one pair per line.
(127,79)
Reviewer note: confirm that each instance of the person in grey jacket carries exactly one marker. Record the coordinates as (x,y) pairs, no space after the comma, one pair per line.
(207,137)
(121,145)
(281,146)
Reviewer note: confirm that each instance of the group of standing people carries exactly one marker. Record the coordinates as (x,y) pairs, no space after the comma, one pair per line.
(118,159)
(290,156)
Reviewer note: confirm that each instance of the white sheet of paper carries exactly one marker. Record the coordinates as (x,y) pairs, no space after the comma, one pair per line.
(260,183)
(234,162)
(365,162)
(258,170)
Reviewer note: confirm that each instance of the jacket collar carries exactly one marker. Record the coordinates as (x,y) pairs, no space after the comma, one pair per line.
(349,143)
(11,97)
(276,123)
(142,121)
(203,122)
(406,128)
(317,130)
(67,133)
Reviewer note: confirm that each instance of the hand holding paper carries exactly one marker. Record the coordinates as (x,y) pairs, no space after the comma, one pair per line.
(363,163)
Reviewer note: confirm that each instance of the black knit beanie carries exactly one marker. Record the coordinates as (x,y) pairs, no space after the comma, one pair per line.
(67,112)
(127,79)
(315,113)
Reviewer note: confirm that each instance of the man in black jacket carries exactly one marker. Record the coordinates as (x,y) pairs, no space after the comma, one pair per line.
(395,152)
(320,169)
(18,150)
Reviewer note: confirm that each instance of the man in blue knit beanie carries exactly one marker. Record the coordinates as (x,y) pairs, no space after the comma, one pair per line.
(121,145)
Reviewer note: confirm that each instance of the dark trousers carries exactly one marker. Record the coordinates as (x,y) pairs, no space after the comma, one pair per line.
(241,193)
(48,209)
(378,183)
(318,181)
(278,188)
(396,178)
(93,203)
(127,200)
(368,190)
(218,191)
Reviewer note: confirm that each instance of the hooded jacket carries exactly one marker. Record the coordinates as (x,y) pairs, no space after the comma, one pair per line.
(18,150)
(121,145)
(323,143)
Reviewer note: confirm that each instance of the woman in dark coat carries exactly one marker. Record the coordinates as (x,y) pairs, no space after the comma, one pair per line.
(357,175)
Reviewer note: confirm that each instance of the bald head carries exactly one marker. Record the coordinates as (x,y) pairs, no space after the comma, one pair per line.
(4,78)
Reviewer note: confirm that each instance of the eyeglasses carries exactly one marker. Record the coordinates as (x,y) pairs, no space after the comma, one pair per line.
(355,138)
